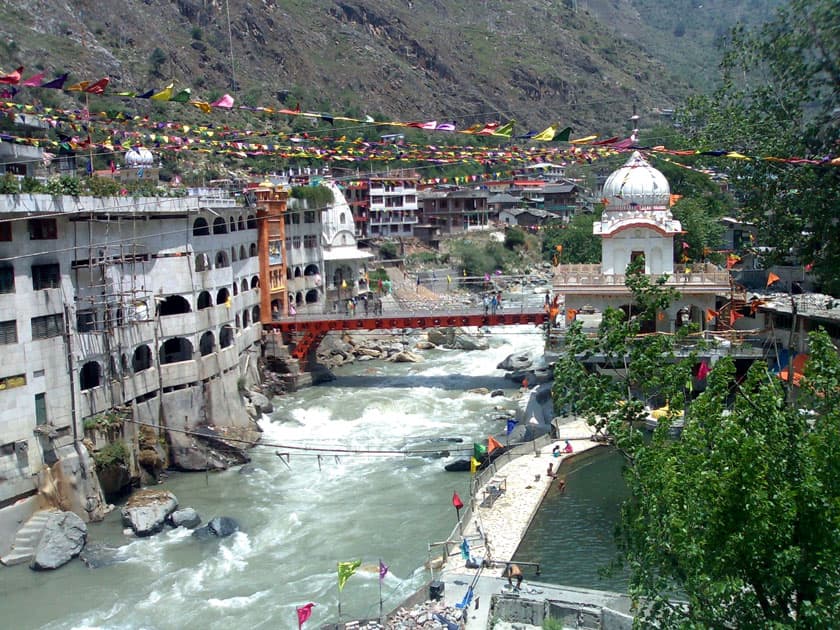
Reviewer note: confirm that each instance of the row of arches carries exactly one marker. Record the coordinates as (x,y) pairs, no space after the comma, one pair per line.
(220,226)
(178,304)
(223,259)
(172,350)
(308,271)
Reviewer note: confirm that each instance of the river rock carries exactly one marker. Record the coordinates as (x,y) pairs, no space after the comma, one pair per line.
(146,511)
(463,341)
(63,539)
(478,390)
(515,362)
(97,555)
(219,526)
(424,345)
(406,357)
(185,517)
(496,393)
(261,403)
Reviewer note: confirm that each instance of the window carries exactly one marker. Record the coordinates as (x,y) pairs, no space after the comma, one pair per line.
(296,242)
(5,231)
(310,241)
(10,382)
(85,321)
(8,332)
(42,229)
(46,276)
(309,216)
(200,227)
(7,279)
(40,409)
(219,226)
(47,326)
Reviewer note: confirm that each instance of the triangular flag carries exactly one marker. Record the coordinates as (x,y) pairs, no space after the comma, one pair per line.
(734,316)
(474,464)
(506,130)
(510,424)
(492,444)
(13,78)
(79,87)
(456,501)
(345,570)
(546,135)
(465,549)
(164,95)
(383,570)
(703,371)
(223,101)
(34,80)
(563,135)
(203,106)
(182,97)
(771,278)
(303,613)
(479,450)
(57,83)
(98,87)
(711,314)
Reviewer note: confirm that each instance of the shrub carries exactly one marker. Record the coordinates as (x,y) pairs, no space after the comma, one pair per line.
(112,455)
(388,250)
(514,237)
(315,196)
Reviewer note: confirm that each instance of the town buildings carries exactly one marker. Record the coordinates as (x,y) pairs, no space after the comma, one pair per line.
(145,310)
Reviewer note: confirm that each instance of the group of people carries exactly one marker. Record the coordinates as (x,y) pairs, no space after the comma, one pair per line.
(492,303)
(369,304)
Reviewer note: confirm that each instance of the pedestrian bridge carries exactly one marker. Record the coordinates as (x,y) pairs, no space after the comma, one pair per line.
(303,333)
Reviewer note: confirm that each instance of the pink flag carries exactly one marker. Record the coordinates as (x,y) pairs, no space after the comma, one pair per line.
(13,78)
(224,101)
(304,612)
(703,371)
(383,570)
(34,80)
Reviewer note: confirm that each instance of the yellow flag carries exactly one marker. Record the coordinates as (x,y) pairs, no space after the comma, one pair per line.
(546,135)
(164,95)
(473,465)
(345,570)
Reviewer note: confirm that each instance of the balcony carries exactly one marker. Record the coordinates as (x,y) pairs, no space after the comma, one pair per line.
(587,278)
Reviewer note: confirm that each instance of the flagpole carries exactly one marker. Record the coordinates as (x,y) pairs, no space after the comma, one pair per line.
(380,589)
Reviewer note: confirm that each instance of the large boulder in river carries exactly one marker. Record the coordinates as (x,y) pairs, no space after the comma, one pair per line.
(219,526)
(185,517)
(456,339)
(146,511)
(406,357)
(261,402)
(515,362)
(63,539)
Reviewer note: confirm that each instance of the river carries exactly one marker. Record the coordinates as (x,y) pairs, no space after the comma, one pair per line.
(299,517)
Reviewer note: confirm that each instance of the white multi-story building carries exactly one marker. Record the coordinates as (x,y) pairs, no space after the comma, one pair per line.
(393,206)
(144,306)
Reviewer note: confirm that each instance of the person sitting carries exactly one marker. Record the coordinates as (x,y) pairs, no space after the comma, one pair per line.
(550,472)
(568,448)
(513,571)
(556,450)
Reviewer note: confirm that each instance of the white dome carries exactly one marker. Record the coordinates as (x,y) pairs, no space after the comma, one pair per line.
(637,182)
(139,157)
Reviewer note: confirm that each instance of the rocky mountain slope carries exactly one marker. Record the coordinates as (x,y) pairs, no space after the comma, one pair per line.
(583,63)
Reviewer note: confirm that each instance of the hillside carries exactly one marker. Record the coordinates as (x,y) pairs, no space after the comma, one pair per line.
(580,63)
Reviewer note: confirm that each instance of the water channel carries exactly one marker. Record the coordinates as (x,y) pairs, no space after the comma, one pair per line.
(302,516)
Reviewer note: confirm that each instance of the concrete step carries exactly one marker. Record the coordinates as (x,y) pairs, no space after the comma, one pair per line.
(27,539)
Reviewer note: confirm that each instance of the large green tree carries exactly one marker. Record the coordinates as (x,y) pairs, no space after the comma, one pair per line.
(780,97)
(579,244)
(737,522)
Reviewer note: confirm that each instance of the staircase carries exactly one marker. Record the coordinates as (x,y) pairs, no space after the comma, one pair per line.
(27,539)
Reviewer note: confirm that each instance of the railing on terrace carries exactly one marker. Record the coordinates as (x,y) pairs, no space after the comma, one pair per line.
(591,275)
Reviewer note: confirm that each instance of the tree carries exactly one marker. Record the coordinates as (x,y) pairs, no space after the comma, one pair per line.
(703,230)
(580,245)
(779,98)
(156,60)
(737,522)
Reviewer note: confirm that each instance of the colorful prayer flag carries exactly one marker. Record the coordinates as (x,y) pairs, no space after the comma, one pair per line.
(383,570)
(98,87)
(303,613)
(479,450)
(57,83)
(546,135)
(474,464)
(456,501)
(345,570)
(13,78)
(225,101)
(34,80)
(465,549)
(164,95)
(510,424)
(711,314)
(703,371)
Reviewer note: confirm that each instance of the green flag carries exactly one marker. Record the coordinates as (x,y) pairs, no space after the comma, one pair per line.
(563,135)
(345,570)
(479,451)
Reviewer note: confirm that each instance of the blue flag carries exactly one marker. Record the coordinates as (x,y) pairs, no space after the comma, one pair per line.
(510,424)
(465,549)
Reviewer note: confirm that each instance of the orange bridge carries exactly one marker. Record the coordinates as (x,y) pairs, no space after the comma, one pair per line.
(305,332)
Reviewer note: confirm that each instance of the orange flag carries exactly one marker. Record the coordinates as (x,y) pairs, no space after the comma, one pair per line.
(734,316)
(492,444)
(711,314)
(771,278)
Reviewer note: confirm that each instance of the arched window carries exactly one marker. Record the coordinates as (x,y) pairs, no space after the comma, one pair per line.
(173,305)
(252,252)
(288,273)
(238,322)
(124,363)
(232,224)
(200,227)
(310,270)
(252,222)
(235,288)
(298,273)
(175,350)
(222,260)
(142,359)
(240,223)
(204,300)
(312,296)
(243,253)
(233,254)
(222,296)
(219,226)
(244,285)
(90,375)
(246,319)
(202,262)
(255,282)
(207,343)
(255,314)
(226,336)
(341,218)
